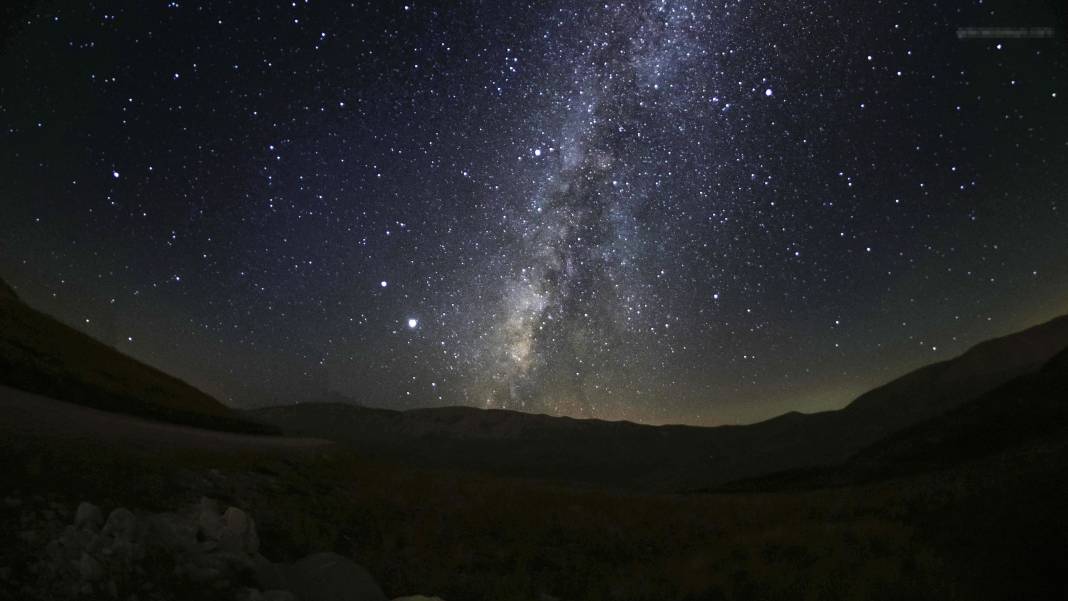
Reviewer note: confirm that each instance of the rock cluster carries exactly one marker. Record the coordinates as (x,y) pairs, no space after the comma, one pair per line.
(204,551)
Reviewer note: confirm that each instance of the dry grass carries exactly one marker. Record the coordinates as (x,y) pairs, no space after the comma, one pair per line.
(469,537)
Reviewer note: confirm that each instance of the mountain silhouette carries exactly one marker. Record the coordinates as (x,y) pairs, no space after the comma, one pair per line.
(628,455)
(41,355)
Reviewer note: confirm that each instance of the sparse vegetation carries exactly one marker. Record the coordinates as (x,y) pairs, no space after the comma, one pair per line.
(473,537)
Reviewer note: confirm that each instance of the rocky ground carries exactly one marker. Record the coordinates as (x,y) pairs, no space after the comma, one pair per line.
(202,551)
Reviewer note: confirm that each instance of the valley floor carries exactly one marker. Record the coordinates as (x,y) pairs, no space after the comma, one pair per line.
(29,416)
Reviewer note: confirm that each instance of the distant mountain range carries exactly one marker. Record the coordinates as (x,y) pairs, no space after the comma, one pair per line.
(41,355)
(623,454)
(1004,392)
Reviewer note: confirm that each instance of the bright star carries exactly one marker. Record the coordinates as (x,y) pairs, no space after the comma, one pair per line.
(412,322)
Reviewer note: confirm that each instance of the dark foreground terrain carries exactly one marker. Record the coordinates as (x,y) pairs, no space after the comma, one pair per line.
(992,528)
(964,499)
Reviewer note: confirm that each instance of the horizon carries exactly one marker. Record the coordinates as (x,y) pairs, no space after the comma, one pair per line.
(335,397)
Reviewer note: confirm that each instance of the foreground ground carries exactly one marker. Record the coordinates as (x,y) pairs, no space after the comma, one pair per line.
(986,530)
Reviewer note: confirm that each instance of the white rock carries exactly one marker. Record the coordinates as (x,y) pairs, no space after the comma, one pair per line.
(331,577)
(201,575)
(168,531)
(88,516)
(238,532)
(121,524)
(268,575)
(209,523)
(89,568)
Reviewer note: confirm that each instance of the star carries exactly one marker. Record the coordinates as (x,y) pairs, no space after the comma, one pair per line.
(599,217)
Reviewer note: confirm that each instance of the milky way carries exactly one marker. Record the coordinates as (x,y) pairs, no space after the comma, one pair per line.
(567,312)
(698,211)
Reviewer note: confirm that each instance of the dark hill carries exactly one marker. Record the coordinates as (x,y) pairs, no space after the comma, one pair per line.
(1025,416)
(673,457)
(41,355)
(7,292)
(1031,410)
(937,388)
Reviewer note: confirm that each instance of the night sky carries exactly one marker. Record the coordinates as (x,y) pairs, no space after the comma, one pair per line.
(698,212)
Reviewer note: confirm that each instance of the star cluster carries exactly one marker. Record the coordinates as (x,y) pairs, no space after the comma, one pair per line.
(701,211)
